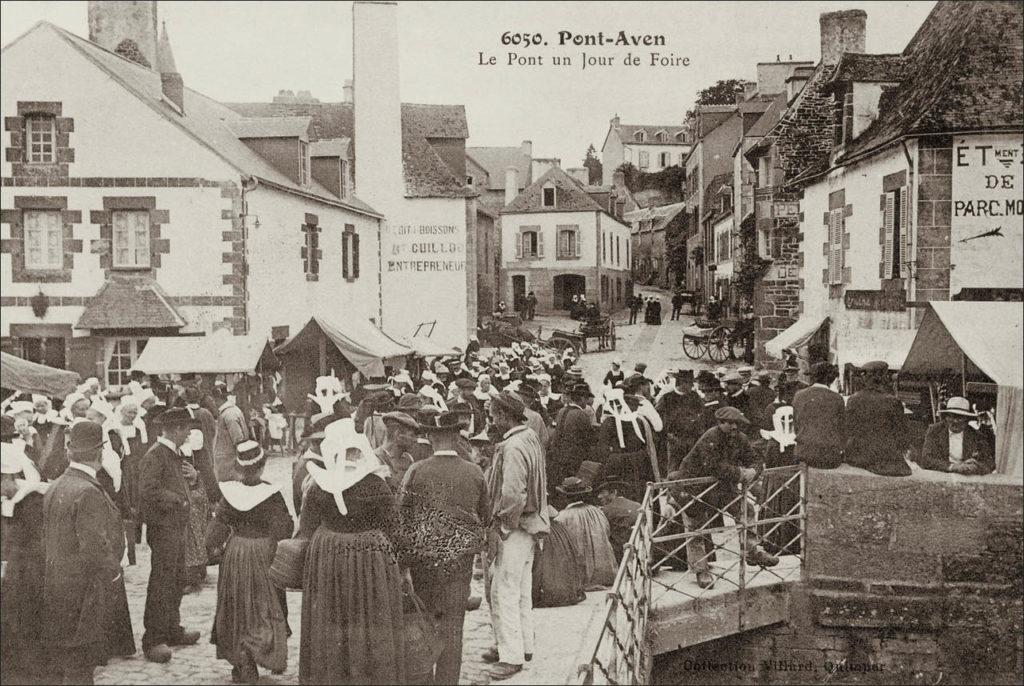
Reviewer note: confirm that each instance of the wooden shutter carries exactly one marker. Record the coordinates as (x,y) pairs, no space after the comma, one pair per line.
(519,245)
(887,223)
(355,255)
(904,233)
(835,242)
(576,243)
(540,242)
(344,255)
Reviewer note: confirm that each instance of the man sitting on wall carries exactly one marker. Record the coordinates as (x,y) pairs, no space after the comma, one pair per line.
(951,445)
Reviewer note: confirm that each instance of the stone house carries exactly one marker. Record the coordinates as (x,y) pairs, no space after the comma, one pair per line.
(648,147)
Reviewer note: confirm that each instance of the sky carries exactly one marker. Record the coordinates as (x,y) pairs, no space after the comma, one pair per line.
(248,51)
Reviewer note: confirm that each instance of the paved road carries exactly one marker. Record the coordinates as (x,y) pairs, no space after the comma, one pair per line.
(658,346)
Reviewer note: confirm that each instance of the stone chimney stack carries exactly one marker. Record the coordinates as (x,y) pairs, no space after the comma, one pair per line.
(125,27)
(615,122)
(842,31)
(580,174)
(378,108)
(348,91)
(511,184)
(170,80)
(527,148)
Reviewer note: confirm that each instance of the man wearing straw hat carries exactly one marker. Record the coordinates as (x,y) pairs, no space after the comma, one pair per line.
(952,445)
(446,483)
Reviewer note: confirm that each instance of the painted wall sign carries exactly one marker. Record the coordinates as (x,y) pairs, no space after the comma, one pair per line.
(987,219)
(877,301)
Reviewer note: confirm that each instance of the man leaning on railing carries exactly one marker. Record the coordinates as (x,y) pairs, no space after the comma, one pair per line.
(722,452)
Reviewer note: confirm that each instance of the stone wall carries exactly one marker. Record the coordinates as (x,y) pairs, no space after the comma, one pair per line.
(934,210)
(915,580)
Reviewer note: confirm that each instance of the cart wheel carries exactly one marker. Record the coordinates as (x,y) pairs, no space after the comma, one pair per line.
(562,344)
(718,344)
(693,347)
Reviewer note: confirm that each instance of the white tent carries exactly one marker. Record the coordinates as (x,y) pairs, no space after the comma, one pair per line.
(976,339)
(220,353)
(795,336)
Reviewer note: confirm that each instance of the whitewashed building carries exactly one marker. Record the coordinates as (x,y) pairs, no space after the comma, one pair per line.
(649,148)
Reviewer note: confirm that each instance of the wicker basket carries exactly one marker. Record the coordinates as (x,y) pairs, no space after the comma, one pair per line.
(289,561)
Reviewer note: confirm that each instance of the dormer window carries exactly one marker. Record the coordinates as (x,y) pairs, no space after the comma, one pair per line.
(303,163)
(42,132)
(640,136)
(679,136)
(660,136)
(549,196)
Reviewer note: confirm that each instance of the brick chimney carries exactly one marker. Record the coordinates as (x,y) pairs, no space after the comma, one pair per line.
(378,108)
(170,80)
(349,95)
(511,184)
(842,31)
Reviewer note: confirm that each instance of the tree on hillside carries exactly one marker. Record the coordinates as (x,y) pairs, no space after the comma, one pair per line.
(722,93)
(595,170)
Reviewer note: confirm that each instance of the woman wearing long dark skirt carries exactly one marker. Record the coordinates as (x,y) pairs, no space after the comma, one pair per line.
(352,611)
(251,628)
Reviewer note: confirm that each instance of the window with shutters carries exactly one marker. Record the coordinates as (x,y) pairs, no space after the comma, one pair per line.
(131,248)
(640,136)
(44,240)
(530,243)
(350,253)
(568,241)
(895,240)
(836,227)
(664,159)
(644,158)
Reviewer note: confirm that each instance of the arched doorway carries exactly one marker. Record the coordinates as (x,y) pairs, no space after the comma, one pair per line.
(566,286)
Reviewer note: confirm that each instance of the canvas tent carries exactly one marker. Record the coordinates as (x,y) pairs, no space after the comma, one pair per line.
(17,374)
(979,340)
(221,353)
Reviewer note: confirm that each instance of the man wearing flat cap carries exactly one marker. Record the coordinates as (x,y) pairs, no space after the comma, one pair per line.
(952,445)
(467,401)
(83,542)
(399,440)
(444,482)
(722,452)
(164,491)
(877,432)
(517,490)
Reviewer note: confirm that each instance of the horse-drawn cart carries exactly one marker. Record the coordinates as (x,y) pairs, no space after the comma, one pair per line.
(603,329)
(718,340)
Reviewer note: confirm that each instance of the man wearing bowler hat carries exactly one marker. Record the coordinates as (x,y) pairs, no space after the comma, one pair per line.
(952,445)
(83,544)
(724,453)
(446,482)
(164,486)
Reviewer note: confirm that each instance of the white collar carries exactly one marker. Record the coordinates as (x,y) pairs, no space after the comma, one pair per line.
(578,503)
(446,453)
(737,393)
(514,430)
(243,497)
(168,443)
(821,385)
(84,468)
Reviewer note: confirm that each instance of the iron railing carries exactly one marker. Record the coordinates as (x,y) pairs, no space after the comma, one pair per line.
(683,523)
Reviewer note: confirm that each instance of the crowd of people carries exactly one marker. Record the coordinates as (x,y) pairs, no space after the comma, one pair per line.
(503,460)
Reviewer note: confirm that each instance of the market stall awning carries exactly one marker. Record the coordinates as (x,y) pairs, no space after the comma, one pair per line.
(423,346)
(795,336)
(860,346)
(17,374)
(130,302)
(221,353)
(987,334)
(361,343)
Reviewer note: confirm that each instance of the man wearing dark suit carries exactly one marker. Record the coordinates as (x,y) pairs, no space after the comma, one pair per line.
(876,427)
(818,418)
(83,542)
(164,488)
(952,446)
(574,438)
(759,396)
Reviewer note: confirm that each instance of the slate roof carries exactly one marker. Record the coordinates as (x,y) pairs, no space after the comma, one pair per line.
(271,127)
(426,174)
(495,161)
(963,71)
(870,68)
(570,196)
(129,302)
(627,134)
(767,120)
(204,120)
(714,189)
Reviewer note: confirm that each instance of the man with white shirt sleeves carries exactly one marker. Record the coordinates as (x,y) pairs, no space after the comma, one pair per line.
(83,543)
(232,429)
(952,445)
(164,487)
(517,489)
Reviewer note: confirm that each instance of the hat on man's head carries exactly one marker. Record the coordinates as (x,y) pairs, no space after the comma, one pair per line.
(400,418)
(465,383)
(86,436)
(248,453)
(580,389)
(684,375)
(527,391)
(425,415)
(640,367)
(510,404)
(443,422)
(409,402)
(746,370)
(590,472)
(573,485)
(174,417)
(730,414)
(875,366)
(733,378)
(613,482)
(574,371)
(706,378)
(633,382)
(764,375)
(958,406)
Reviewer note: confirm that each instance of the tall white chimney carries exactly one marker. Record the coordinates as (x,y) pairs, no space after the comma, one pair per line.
(511,184)
(378,107)
(842,31)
